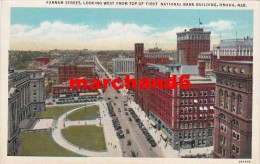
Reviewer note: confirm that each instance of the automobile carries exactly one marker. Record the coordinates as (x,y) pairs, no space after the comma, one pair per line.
(119,131)
(127,131)
(129,119)
(129,143)
(119,110)
(153,143)
(116,97)
(121,135)
(114,103)
(133,154)
(118,127)
(126,113)
(125,109)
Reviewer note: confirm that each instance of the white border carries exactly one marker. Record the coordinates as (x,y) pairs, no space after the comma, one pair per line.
(4,45)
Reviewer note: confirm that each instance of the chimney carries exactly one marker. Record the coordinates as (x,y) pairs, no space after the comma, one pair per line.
(202,69)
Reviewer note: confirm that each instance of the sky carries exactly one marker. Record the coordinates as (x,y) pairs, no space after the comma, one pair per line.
(119,29)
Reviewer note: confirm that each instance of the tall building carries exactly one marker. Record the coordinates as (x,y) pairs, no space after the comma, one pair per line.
(190,43)
(233,121)
(233,49)
(142,58)
(66,72)
(25,98)
(123,66)
(184,118)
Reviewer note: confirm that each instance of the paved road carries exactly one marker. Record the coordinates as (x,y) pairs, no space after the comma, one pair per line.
(139,143)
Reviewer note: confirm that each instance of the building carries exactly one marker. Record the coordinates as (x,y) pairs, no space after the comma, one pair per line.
(44,60)
(123,66)
(142,58)
(233,118)
(233,49)
(63,90)
(207,58)
(184,118)
(25,98)
(190,43)
(66,72)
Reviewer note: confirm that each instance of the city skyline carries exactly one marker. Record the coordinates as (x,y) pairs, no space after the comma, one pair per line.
(119,29)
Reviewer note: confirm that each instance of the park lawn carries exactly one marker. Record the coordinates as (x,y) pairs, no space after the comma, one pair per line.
(91,112)
(55,111)
(89,137)
(41,144)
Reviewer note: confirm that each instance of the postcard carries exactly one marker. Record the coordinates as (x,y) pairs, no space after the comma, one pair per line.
(129,81)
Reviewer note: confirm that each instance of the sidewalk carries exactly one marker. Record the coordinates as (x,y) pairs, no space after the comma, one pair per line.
(168,151)
(58,138)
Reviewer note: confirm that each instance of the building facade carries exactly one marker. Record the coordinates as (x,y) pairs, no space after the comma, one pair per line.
(66,72)
(25,98)
(190,43)
(233,121)
(123,66)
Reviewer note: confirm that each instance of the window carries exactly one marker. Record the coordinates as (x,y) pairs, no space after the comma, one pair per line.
(201,93)
(222,116)
(223,128)
(238,136)
(223,68)
(235,122)
(242,71)
(237,150)
(229,69)
(233,147)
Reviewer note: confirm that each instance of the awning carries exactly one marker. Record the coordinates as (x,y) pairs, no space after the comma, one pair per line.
(152,123)
(88,94)
(205,108)
(62,95)
(201,108)
(211,107)
(195,100)
(163,135)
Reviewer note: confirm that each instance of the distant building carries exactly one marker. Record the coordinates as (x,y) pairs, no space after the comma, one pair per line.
(25,98)
(123,66)
(44,60)
(190,43)
(233,107)
(63,91)
(66,72)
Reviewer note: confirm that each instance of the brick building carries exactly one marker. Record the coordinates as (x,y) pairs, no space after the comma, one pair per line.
(142,58)
(44,60)
(233,121)
(66,72)
(191,43)
(183,117)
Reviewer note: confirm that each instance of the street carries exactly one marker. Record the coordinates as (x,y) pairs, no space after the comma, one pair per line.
(139,145)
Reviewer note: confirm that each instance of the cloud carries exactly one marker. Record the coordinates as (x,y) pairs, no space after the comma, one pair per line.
(221,25)
(116,35)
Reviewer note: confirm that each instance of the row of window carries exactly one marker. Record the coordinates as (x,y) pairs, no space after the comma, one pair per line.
(233,84)
(195,101)
(223,116)
(195,93)
(233,69)
(195,125)
(190,118)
